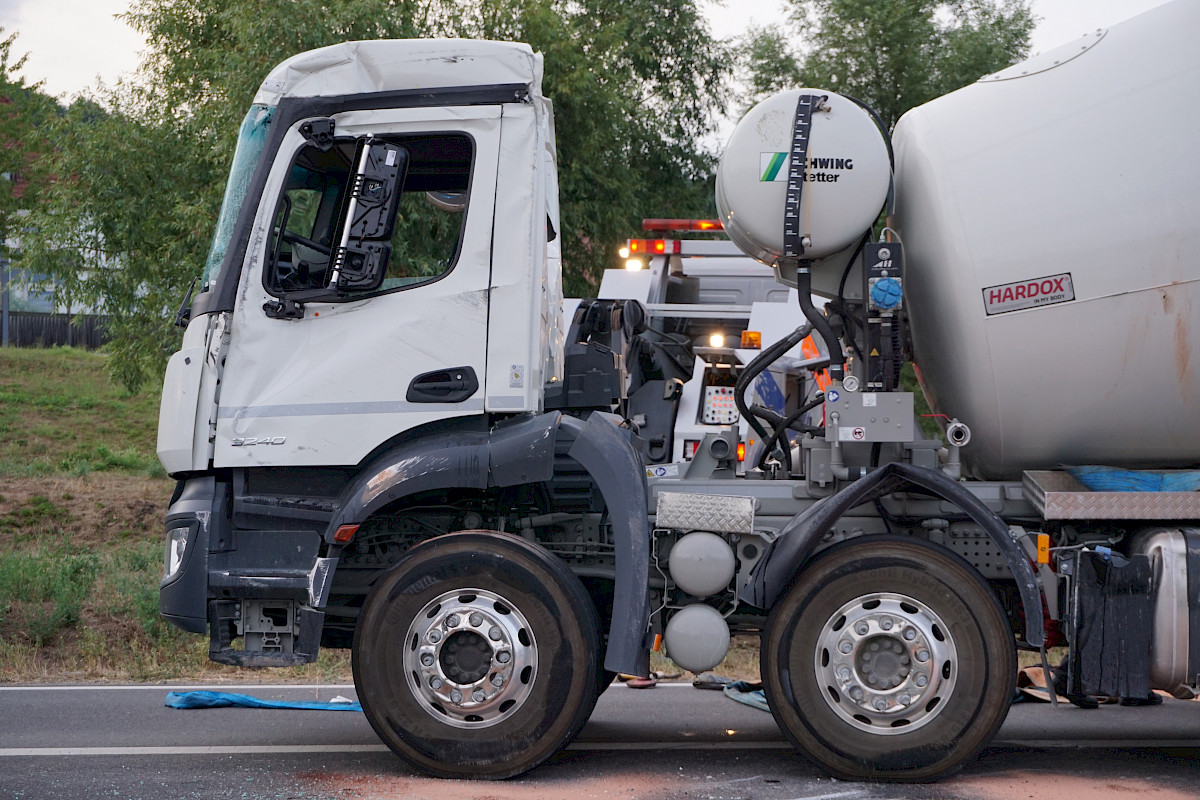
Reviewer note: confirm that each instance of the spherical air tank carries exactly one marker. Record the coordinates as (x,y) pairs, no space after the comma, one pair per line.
(1049,217)
(845,183)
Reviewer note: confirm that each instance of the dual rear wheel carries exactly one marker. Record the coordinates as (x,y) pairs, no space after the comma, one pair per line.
(888,659)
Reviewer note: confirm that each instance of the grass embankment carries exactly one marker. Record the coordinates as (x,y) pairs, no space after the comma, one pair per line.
(82,499)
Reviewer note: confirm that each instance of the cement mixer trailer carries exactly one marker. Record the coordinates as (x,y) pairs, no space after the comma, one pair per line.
(387,439)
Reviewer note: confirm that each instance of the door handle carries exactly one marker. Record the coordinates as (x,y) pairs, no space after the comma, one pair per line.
(443,386)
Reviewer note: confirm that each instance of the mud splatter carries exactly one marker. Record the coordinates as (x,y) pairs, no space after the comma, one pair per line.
(1025,785)
(382,786)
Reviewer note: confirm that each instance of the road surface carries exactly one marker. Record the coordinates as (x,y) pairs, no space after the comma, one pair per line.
(671,742)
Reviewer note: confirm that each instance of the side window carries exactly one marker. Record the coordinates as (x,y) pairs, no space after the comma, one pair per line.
(427,233)
(306,219)
(429,225)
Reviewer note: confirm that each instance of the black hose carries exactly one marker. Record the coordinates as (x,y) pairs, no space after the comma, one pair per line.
(786,425)
(756,367)
(837,361)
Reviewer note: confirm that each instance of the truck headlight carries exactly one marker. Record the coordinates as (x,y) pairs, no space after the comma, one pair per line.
(177,540)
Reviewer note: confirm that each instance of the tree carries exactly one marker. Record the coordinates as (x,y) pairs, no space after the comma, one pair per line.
(635,86)
(24,111)
(769,63)
(896,54)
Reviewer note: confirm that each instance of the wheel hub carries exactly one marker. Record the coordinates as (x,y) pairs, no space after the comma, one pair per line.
(885,662)
(465,657)
(470,658)
(882,662)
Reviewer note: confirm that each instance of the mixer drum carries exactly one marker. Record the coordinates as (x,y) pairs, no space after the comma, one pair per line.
(1049,222)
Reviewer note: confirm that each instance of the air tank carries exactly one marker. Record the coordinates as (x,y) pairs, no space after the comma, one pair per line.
(1050,215)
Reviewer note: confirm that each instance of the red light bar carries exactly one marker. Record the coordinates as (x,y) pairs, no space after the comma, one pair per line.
(682,225)
(654,247)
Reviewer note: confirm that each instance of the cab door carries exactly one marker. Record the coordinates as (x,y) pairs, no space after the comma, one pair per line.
(315,376)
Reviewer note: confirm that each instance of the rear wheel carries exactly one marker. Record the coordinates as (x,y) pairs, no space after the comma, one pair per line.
(889,659)
(475,656)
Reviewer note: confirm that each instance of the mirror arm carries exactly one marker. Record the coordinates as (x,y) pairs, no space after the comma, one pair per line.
(290,305)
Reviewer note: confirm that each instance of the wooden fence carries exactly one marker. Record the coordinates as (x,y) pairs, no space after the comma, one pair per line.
(37,329)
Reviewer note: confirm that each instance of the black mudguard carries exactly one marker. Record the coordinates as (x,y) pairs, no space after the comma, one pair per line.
(521,451)
(787,554)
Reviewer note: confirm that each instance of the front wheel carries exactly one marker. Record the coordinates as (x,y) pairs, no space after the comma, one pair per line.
(475,656)
(889,658)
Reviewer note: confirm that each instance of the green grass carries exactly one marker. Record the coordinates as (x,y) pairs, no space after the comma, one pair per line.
(61,414)
(44,591)
(36,514)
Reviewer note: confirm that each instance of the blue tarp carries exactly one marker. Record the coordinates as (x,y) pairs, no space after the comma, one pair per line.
(204,699)
(1111,479)
(750,694)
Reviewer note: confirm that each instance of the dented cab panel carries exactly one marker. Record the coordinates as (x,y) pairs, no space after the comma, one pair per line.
(327,388)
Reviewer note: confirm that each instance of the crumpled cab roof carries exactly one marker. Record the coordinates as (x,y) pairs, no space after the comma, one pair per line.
(386,65)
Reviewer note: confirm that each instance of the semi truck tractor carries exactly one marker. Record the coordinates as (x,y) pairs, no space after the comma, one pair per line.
(387,437)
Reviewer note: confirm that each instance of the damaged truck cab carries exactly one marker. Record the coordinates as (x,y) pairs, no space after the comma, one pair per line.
(364,365)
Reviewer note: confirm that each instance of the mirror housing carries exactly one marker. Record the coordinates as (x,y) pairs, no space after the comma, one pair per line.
(361,259)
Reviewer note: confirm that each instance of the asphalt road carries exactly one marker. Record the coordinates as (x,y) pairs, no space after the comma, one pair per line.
(670,742)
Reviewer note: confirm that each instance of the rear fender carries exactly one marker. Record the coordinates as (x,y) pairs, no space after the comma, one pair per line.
(788,553)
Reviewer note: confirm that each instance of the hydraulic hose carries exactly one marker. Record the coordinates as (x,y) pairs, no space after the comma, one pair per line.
(786,425)
(756,367)
(837,361)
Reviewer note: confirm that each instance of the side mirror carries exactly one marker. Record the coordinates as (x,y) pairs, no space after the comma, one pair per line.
(364,245)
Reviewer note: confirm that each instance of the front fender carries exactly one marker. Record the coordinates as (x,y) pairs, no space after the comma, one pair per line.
(787,554)
(518,451)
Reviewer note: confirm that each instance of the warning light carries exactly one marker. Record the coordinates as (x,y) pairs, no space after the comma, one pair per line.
(690,446)
(653,246)
(701,225)
(623,252)
(751,340)
(716,340)
(741,451)
(633,264)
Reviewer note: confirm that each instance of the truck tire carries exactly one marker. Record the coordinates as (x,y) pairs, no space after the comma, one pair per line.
(475,656)
(888,659)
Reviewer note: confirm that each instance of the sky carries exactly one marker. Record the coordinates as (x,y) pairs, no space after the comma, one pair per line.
(73,44)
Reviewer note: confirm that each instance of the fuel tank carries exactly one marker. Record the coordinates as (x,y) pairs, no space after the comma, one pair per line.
(1050,215)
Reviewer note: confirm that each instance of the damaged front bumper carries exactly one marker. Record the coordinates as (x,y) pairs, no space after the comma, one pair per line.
(263,590)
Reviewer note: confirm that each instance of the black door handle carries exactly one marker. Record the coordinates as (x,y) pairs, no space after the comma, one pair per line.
(443,386)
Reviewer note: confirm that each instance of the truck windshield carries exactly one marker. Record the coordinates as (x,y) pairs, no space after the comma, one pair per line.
(251,139)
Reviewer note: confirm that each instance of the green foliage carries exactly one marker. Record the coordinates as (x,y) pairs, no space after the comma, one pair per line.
(43,592)
(134,573)
(635,85)
(24,112)
(895,54)
(770,64)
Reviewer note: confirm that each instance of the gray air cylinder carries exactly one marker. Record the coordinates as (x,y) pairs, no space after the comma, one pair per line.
(845,180)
